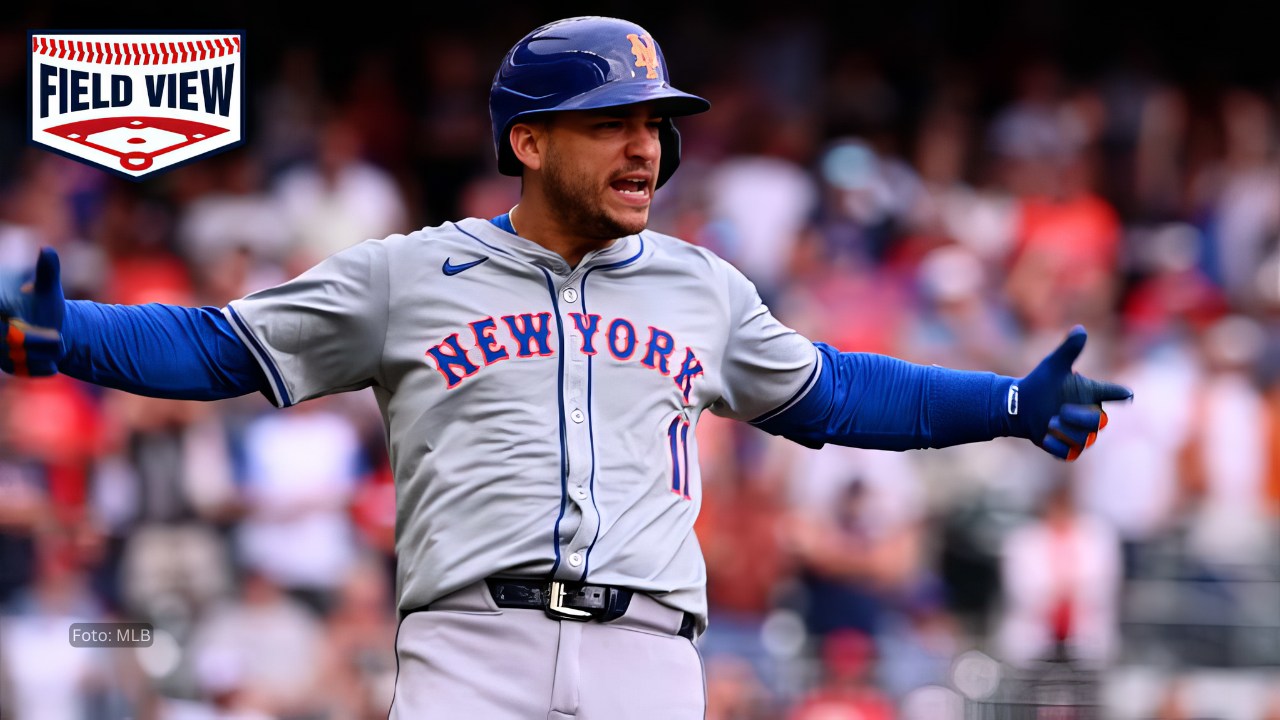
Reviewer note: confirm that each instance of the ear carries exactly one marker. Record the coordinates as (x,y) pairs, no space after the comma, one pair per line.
(528,142)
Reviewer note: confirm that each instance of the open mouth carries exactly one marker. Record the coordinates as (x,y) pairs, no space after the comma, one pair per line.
(632,189)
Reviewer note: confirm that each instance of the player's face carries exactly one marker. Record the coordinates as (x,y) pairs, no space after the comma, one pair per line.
(601,167)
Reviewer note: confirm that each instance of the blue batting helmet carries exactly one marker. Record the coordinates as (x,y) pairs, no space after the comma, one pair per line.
(586,63)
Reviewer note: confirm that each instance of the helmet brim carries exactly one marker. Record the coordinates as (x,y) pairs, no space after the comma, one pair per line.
(667,101)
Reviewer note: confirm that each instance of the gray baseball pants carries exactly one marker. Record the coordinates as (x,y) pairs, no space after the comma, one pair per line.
(466,658)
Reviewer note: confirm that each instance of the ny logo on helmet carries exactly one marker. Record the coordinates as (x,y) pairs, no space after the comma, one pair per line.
(646,54)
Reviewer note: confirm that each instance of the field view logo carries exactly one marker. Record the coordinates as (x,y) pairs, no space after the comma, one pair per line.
(136,103)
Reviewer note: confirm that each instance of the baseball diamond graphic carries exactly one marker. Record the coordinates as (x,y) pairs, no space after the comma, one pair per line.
(137,141)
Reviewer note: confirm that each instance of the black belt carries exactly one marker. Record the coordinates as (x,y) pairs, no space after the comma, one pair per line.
(571,601)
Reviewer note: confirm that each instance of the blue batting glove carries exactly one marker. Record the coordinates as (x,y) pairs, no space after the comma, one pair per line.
(1057,409)
(31,316)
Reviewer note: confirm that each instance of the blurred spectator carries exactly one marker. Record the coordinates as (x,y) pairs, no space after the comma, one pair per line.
(959,325)
(1159,174)
(1241,197)
(339,199)
(51,201)
(257,653)
(830,301)
(1061,575)
(846,691)
(856,533)
(301,470)
(166,477)
(46,678)
(1067,237)
(739,528)
(373,512)
(973,514)
(133,231)
(867,197)
(765,199)
(1174,294)
(24,509)
(1131,477)
(734,692)
(359,663)
(237,216)
(35,211)
(1036,129)
(952,202)
(1124,92)
(1225,460)
(1064,260)
(918,641)
(49,437)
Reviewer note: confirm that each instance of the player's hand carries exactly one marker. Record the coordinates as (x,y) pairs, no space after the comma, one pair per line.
(1060,410)
(31,312)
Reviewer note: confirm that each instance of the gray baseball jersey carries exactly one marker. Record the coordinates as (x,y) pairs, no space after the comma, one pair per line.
(541,419)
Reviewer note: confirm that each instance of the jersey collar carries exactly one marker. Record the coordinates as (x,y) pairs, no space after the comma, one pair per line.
(502,241)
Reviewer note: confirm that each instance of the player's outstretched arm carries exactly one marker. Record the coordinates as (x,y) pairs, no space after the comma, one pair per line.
(158,350)
(875,401)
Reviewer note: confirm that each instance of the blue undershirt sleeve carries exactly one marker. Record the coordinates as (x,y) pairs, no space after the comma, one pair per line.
(163,351)
(883,403)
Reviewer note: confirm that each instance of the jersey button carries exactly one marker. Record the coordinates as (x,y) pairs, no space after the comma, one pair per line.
(575,559)
(577,415)
(570,295)
(580,493)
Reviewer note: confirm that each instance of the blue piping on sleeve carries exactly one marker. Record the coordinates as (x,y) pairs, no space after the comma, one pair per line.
(263,357)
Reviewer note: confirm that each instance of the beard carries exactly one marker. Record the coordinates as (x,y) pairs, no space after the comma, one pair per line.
(577,199)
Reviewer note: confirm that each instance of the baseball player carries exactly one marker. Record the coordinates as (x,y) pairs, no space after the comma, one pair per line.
(541,375)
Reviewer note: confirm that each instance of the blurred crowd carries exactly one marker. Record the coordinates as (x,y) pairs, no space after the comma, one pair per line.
(962,214)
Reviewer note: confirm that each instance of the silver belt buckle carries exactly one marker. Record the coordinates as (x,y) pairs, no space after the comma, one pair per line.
(556,608)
